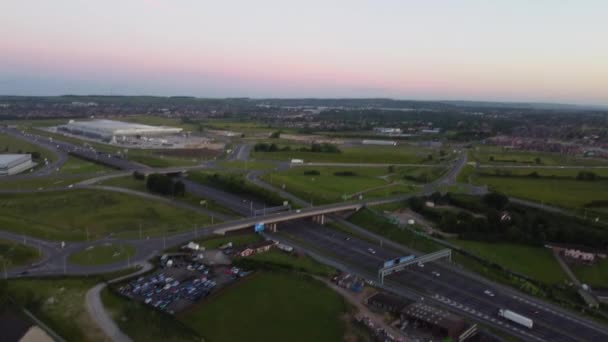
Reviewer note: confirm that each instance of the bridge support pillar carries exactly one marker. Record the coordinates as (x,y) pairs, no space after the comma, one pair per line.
(320,219)
(272,227)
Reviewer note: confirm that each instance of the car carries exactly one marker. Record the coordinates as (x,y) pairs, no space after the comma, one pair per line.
(421,265)
(488,293)
(371,250)
(347,238)
(435,273)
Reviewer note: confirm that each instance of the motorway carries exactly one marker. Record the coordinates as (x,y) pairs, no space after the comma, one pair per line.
(455,289)
(460,291)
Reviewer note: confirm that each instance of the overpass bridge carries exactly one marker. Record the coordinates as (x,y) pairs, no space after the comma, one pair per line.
(270,221)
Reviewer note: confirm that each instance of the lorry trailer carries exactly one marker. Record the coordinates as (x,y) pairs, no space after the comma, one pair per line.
(516,318)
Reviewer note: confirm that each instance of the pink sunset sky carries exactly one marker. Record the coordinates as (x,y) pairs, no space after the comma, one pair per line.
(550,51)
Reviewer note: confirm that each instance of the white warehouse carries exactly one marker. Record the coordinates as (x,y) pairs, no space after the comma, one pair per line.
(106,129)
(12,164)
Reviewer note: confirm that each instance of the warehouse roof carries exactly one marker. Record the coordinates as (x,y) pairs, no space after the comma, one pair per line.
(9,158)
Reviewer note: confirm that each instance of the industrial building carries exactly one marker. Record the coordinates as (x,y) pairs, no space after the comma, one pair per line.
(109,129)
(12,164)
(441,322)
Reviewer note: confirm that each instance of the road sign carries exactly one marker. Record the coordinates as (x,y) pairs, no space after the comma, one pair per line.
(259,227)
(389,263)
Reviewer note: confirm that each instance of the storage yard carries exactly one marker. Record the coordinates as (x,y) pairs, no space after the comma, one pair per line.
(182,281)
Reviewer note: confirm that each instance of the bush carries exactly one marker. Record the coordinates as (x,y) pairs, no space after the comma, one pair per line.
(138,175)
(345,173)
(312,173)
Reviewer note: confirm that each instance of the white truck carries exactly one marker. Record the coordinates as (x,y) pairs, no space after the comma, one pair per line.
(516,318)
(297,161)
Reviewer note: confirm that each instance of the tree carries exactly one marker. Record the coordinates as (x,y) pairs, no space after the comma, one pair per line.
(179,189)
(138,175)
(416,203)
(275,135)
(495,200)
(491,158)
(391,169)
(586,176)
(537,160)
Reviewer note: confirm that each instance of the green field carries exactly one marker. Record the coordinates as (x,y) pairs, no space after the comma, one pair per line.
(368,154)
(15,254)
(567,193)
(328,188)
(534,262)
(271,307)
(9,144)
(101,255)
(503,156)
(54,181)
(129,182)
(75,166)
(594,276)
(68,215)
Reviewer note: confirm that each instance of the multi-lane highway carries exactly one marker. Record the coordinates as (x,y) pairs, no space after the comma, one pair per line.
(453,288)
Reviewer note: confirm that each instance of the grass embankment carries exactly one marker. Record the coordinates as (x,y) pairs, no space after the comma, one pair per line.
(69,215)
(363,155)
(55,181)
(59,303)
(15,254)
(75,166)
(102,254)
(271,307)
(141,323)
(381,226)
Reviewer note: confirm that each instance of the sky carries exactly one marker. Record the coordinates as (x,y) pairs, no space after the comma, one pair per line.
(499,50)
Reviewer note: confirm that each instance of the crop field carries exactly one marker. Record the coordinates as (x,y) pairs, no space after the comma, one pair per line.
(362,155)
(15,254)
(102,254)
(501,156)
(243,312)
(517,259)
(69,215)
